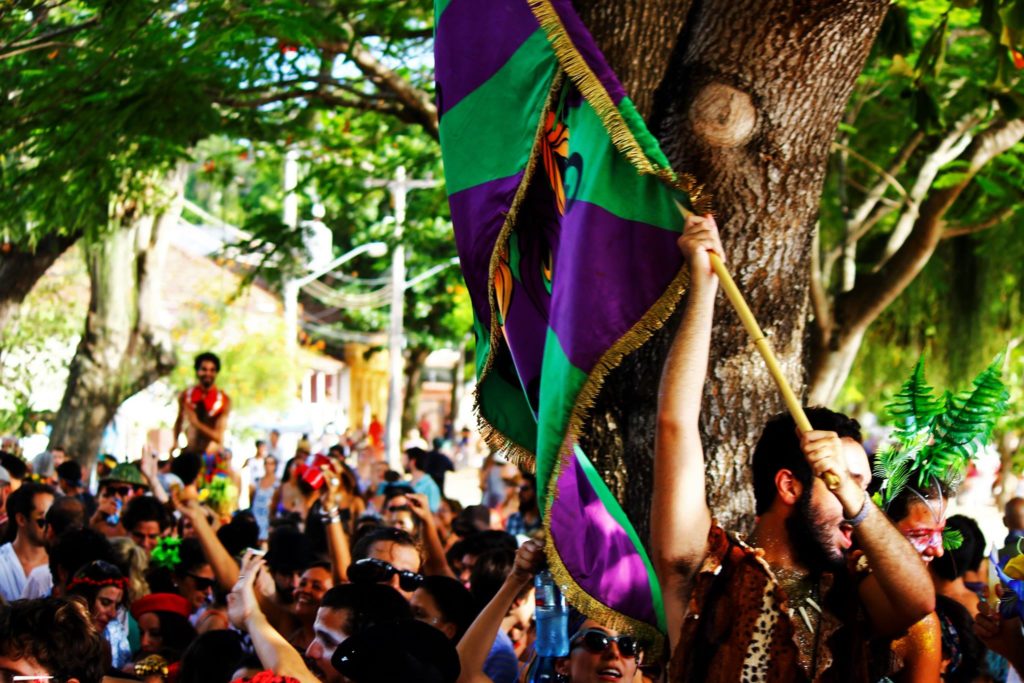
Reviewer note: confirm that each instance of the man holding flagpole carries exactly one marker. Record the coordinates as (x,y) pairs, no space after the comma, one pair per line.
(791,606)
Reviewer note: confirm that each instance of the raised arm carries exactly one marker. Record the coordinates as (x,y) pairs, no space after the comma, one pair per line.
(224,566)
(477,641)
(680,518)
(274,652)
(337,540)
(435,563)
(899,591)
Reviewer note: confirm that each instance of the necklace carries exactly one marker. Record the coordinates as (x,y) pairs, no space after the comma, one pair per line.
(802,592)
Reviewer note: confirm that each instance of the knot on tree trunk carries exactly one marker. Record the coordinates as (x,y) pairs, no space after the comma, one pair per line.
(722,115)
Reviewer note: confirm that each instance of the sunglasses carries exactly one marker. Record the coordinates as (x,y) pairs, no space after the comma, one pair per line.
(596,641)
(42,523)
(202,583)
(123,491)
(371,570)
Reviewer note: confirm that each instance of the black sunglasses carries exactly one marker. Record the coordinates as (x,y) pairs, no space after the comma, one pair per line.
(122,491)
(202,582)
(42,522)
(371,570)
(596,641)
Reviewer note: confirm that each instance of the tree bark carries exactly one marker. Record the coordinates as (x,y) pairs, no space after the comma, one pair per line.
(413,387)
(21,269)
(750,105)
(125,347)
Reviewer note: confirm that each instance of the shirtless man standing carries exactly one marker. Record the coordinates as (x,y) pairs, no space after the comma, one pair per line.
(205,408)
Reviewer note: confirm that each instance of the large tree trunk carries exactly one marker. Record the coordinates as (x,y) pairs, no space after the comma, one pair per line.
(750,105)
(20,269)
(413,387)
(125,347)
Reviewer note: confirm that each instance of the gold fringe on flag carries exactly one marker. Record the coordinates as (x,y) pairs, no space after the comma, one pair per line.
(592,90)
(516,453)
(638,335)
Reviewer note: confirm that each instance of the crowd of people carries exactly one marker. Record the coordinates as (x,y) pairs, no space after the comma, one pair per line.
(342,569)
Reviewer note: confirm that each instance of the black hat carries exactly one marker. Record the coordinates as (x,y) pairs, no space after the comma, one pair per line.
(288,549)
(397,653)
(70,471)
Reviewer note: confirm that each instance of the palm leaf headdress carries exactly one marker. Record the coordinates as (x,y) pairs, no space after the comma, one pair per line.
(935,438)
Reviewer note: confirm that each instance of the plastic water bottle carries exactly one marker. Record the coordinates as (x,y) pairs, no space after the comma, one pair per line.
(115,519)
(552,617)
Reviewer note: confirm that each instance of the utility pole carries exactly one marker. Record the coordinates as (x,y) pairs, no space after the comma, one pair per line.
(291,219)
(399,187)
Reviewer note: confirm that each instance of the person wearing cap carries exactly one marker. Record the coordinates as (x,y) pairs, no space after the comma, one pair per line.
(26,534)
(122,484)
(105,464)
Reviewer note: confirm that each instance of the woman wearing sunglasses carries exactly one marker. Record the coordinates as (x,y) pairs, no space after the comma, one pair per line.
(596,653)
(185,571)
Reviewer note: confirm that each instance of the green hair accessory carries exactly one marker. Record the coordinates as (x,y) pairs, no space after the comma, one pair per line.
(935,439)
(166,554)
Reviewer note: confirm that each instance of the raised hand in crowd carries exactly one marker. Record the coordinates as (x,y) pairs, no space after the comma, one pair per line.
(435,563)
(476,643)
(274,652)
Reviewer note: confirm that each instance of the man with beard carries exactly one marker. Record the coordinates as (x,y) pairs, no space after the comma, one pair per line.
(205,409)
(788,608)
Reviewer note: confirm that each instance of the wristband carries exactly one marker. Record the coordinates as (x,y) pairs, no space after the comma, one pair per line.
(332,516)
(856,520)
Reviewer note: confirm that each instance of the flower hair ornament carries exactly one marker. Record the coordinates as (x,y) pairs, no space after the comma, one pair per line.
(98,574)
(166,554)
(935,439)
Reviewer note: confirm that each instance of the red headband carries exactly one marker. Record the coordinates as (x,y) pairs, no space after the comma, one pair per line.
(121,583)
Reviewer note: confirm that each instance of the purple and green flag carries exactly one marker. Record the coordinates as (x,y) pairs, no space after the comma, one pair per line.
(566,217)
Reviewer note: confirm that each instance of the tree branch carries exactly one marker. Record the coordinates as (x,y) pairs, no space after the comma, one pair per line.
(873,293)
(998,218)
(419,104)
(14,52)
(868,213)
(50,35)
(890,180)
(951,147)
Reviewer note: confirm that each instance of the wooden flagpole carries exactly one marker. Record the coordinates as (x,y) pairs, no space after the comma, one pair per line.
(765,349)
(732,292)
